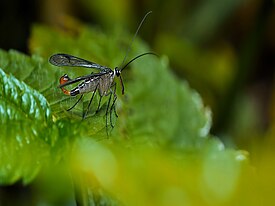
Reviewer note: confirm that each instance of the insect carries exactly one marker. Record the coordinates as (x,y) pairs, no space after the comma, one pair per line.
(103,81)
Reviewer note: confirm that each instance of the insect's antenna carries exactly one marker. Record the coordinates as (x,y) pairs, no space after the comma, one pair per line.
(147,53)
(129,47)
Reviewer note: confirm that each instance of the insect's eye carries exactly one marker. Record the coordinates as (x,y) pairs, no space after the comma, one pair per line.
(117,71)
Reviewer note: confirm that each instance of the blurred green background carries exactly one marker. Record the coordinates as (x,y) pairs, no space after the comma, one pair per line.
(224,49)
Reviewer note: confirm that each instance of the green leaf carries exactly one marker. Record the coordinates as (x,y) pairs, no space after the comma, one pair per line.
(26,130)
(164,107)
(157,106)
(34,71)
(38,73)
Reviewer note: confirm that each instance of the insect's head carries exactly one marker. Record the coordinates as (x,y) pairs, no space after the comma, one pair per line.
(117,72)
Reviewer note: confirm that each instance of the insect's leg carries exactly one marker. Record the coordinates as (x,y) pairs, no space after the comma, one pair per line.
(107,110)
(113,104)
(113,108)
(88,108)
(98,104)
(75,103)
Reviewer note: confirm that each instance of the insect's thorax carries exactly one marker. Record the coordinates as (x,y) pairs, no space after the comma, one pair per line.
(101,82)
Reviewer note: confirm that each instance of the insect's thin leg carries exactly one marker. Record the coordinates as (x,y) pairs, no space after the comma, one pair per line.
(98,105)
(88,108)
(75,103)
(107,110)
(113,108)
(113,92)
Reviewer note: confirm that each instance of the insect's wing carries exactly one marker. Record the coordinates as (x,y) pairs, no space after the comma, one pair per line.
(72,61)
(71,81)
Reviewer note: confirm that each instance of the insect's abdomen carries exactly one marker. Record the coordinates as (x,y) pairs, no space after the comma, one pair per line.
(88,85)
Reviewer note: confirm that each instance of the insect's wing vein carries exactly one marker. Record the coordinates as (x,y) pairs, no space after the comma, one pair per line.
(72,61)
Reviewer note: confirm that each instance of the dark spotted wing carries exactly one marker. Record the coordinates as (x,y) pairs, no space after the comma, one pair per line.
(72,61)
